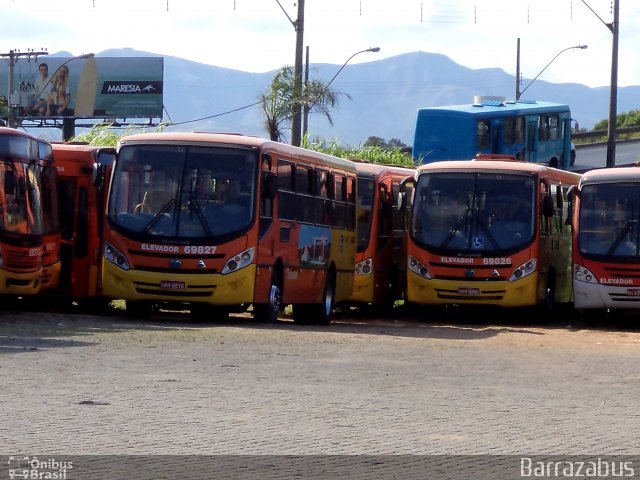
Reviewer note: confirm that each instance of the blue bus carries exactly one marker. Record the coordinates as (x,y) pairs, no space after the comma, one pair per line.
(537,132)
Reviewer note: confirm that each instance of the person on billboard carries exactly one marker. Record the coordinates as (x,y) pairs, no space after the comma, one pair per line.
(42,89)
(60,96)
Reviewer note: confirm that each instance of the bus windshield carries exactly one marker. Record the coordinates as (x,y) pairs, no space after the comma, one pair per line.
(609,215)
(483,213)
(183,191)
(366,190)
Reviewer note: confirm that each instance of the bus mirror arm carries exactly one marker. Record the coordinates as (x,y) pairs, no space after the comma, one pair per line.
(548,209)
(270,186)
(9,182)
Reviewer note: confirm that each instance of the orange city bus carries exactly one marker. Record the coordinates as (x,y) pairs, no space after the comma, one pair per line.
(380,270)
(21,235)
(606,249)
(81,195)
(51,264)
(221,221)
(490,231)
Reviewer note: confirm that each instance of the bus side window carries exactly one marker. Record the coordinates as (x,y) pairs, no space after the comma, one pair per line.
(484,139)
(543,128)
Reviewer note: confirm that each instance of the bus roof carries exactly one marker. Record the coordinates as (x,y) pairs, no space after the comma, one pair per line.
(611,175)
(498,166)
(375,169)
(232,139)
(507,107)
(20,133)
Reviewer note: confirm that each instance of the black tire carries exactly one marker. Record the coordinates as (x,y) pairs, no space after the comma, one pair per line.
(202,312)
(572,160)
(138,309)
(301,315)
(268,312)
(320,313)
(593,317)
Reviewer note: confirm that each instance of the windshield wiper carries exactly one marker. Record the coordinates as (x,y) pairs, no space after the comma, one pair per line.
(194,205)
(462,221)
(626,228)
(165,209)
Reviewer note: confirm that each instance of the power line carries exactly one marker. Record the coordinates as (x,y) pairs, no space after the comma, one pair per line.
(217,114)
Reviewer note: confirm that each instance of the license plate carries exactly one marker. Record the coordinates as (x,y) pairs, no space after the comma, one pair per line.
(171,285)
(633,292)
(468,291)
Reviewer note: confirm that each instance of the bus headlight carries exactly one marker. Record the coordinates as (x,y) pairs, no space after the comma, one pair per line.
(365,267)
(524,270)
(582,274)
(238,261)
(419,268)
(114,256)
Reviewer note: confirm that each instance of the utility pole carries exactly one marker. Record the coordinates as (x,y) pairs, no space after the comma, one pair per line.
(12,101)
(518,70)
(296,120)
(613,98)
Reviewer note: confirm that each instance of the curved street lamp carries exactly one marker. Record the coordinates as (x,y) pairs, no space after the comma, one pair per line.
(581,47)
(307,107)
(371,49)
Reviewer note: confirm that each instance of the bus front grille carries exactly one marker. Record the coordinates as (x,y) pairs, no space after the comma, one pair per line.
(178,290)
(474,294)
(19,260)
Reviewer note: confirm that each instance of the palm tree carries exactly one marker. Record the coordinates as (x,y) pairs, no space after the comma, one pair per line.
(279,100)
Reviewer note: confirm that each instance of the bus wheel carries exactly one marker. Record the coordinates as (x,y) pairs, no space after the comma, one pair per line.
(593,316)
(320,313)
(202,312)
(268,312)
(301,315)
(138,309)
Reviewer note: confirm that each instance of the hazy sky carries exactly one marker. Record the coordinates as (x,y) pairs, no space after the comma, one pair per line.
(257,35)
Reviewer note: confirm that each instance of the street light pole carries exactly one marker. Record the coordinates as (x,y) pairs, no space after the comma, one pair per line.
(519,93)
(371,49)
(307,107)
(614,28)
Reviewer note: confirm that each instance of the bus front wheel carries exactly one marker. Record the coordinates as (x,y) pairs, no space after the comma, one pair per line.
(268,312)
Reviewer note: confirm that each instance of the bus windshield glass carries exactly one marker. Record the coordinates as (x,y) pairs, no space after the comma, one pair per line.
(366,190)
(183,191)
(609,215)
(484,213)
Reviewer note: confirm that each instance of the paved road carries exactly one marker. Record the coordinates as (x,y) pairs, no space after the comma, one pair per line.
(79,385)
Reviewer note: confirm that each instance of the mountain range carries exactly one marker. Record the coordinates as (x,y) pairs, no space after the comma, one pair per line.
(381,97)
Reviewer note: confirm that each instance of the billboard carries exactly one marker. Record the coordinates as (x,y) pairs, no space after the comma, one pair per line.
(84,87)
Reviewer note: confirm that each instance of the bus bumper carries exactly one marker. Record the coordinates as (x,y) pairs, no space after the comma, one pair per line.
(12,283)
(593,295)
(363,289)
(50,276)
(232,289)
(520,293)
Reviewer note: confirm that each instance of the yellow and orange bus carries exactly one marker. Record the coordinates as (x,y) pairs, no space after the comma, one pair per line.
(221,221)
(380,270)
(21,234)
(490,231)
(81,180)
(606,249)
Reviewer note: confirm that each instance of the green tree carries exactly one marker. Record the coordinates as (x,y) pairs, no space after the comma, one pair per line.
(279,100)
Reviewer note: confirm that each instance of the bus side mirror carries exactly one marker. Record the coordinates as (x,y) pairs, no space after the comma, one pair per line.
(269,186)
(548,209)
(9,183)
(406,188)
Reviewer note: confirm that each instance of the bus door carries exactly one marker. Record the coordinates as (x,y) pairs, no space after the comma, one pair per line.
(532,138)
